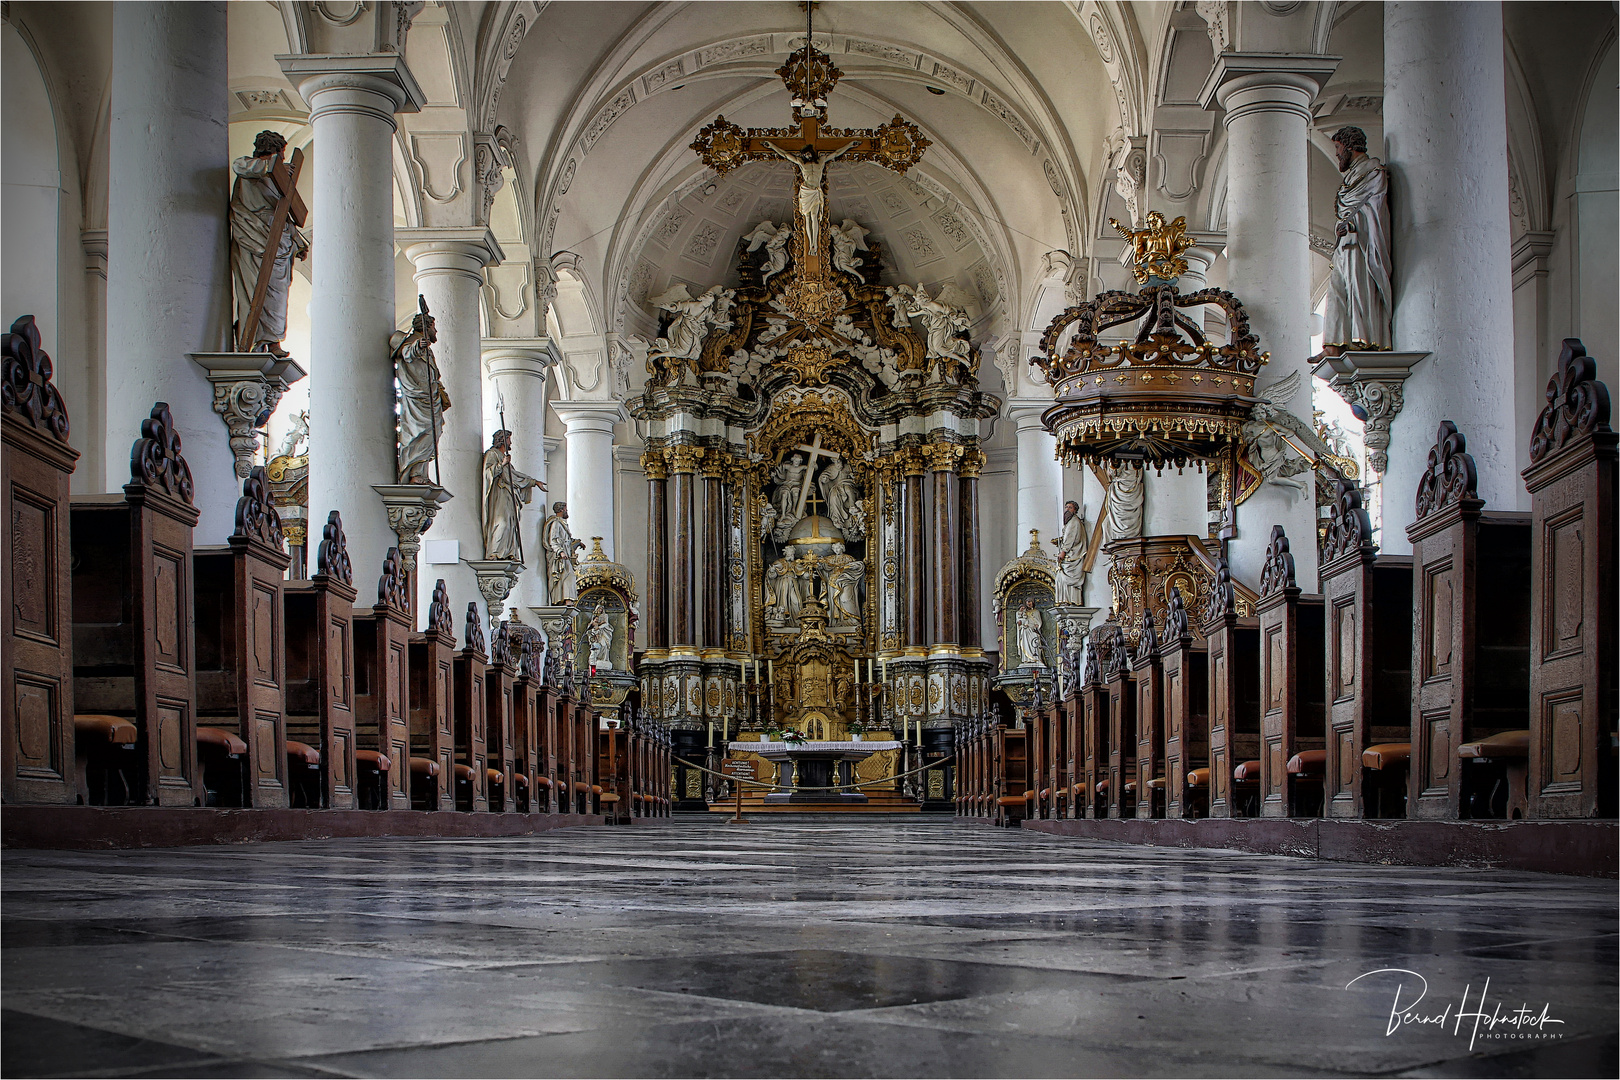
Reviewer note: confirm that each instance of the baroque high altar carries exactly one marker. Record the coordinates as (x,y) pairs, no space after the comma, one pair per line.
(829,427)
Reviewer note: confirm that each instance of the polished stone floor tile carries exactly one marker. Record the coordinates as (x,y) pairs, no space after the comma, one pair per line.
(918,948)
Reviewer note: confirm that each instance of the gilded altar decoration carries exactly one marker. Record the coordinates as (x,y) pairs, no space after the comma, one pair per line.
(1157,252)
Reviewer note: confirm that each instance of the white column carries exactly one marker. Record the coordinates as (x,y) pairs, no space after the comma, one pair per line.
(1445,130)
(449,266)
(1267,98)
(1040,477)
(91,475)
(590,468)
(517,368)
(168,286)
(352,102)
(1178,502)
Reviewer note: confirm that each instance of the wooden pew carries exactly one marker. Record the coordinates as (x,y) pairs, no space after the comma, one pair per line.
(1091,790)
(132,602)
(432,727)
(1234,699)
(382,690)
(500,738)
(1147,670)
(471,714)
(1010,757)
(241,641)
(1368,659)
(320,673)
(1072,718)
(584,749)
(1185,663)
(551,797)
(38,741)
(1292,733)
(525,721)
(1471,669)
(1121,683)
(1574,670)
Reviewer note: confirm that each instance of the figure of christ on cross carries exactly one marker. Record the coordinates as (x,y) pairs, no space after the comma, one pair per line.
(811,189)
(813,450)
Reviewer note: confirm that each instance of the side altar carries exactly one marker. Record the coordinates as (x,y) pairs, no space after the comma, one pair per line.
(812,459)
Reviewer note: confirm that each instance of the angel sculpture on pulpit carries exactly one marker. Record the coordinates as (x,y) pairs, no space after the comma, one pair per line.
(1272,431)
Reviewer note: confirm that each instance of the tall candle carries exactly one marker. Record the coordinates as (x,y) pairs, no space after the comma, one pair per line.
(770,671)
(711,734)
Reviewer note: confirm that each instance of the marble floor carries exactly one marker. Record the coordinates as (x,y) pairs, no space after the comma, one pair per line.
(874,948)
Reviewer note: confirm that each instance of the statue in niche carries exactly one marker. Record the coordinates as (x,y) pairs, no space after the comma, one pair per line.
(767,517)
(1360,296)
(1127,501)
(789,477)
(783,597)
(560,545)
(843,575)
(1071,556)
(422,397)
(843,498)
(1031,647)
(693,318)
(812,200)
(847,239)
(254,199)
(599,634)
(505,491)
(775,240)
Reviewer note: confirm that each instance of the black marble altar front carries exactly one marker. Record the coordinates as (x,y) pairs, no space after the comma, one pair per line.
(809,949)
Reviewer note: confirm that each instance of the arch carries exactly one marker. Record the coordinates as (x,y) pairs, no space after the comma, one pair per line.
(32,189)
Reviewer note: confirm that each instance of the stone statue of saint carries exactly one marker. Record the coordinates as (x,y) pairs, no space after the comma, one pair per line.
(812,200)
(1127,499)
(560,546)
(422,397)
(841,495)
(253,207)
(789,477)
(599,633)
(1359,298)
(1031,647)
(782,596)
(844,576)
(505,490)
(1071,556)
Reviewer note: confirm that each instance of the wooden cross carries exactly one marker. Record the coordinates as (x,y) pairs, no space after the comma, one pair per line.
(291,206)
(814,451)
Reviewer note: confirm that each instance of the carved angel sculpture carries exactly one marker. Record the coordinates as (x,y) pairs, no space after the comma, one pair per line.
(694,318)
(1270,430)
(775,240)
(847,239)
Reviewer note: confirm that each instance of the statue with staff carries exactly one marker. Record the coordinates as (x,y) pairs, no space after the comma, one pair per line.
(421,397)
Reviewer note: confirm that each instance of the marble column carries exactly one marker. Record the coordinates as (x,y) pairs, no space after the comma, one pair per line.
(944,566)
(352,102)
(683,627)
(517,369)
(655,603)
(970,611)
(1040,476)
(712,603)
(168,279)
(1445,131)
(590,467)
(449,265)
(1267,98)
(913,577)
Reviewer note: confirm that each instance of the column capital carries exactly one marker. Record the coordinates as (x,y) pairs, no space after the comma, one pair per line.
(1248,82)
(383,75)
(451,250)
(519,356)
(1027,412)
(598,416)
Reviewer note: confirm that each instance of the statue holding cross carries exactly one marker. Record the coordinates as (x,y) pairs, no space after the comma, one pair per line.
(265,214)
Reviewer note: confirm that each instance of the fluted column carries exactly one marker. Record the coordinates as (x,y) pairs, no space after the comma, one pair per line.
(1267,98)
(1445,130)
(655,605)
(969,607)
(449,274)
(352,102)
(517,368)
(168,285)
(590,466)
(913,576)
(714,550)
(944,569)
(682,567)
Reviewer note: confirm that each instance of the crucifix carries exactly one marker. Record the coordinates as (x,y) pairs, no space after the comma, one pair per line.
(814,450)
(290,205)
(809,76)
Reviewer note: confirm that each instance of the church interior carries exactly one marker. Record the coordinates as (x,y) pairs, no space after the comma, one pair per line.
(1028,538)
